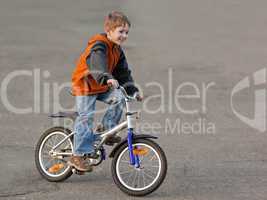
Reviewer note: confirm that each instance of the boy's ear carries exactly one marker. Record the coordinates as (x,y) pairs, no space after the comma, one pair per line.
(107,32)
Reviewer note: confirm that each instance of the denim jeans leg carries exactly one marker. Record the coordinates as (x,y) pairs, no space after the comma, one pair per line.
(114,112)
(83,127)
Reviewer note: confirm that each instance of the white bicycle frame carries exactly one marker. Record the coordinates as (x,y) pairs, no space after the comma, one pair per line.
(128,123)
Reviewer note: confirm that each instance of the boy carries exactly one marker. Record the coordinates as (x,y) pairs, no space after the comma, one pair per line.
(102,64)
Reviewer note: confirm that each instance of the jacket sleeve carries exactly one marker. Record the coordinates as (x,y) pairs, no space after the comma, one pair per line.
(123,75)
(97,60)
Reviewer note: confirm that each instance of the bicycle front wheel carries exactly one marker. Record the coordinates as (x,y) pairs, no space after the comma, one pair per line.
(145,179)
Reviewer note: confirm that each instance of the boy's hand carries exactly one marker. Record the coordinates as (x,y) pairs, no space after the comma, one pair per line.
(113,82)
(138,97)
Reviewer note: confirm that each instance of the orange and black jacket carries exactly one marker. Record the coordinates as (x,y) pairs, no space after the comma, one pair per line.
(100,61)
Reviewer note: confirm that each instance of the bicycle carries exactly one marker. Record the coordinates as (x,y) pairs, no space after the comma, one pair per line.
(139,164)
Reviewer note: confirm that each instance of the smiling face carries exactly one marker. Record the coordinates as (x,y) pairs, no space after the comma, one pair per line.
(119,34)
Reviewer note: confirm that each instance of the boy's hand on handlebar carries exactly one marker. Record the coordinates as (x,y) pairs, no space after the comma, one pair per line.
(113,83)
(138,97)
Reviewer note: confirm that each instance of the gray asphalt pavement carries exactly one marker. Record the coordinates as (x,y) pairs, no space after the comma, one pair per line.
(175,48)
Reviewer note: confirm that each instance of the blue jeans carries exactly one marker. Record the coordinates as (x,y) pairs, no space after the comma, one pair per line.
(84,137)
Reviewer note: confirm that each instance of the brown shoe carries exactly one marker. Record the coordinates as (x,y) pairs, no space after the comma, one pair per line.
(80,164)
(111,140)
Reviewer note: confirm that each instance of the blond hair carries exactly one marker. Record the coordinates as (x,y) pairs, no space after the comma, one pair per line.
(114,20)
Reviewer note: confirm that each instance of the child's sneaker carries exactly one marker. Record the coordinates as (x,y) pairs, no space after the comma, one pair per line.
(80,164)
(112,140)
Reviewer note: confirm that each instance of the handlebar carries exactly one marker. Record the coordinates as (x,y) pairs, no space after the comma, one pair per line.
(125,94)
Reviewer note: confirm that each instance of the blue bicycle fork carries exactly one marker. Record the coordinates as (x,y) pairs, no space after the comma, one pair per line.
(134,159)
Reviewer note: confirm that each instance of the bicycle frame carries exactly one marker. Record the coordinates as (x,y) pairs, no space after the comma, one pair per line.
(129,123)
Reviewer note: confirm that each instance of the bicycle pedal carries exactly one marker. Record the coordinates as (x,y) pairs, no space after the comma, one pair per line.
(76,171)
(92,155)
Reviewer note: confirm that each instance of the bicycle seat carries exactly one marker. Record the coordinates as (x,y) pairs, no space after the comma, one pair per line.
(72,115)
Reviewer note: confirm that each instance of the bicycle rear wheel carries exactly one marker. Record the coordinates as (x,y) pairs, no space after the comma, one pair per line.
(51,167)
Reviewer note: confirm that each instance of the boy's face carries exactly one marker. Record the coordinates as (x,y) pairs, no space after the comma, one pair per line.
(119,34)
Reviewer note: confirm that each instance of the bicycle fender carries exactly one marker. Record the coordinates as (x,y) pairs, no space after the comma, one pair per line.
(139,136)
